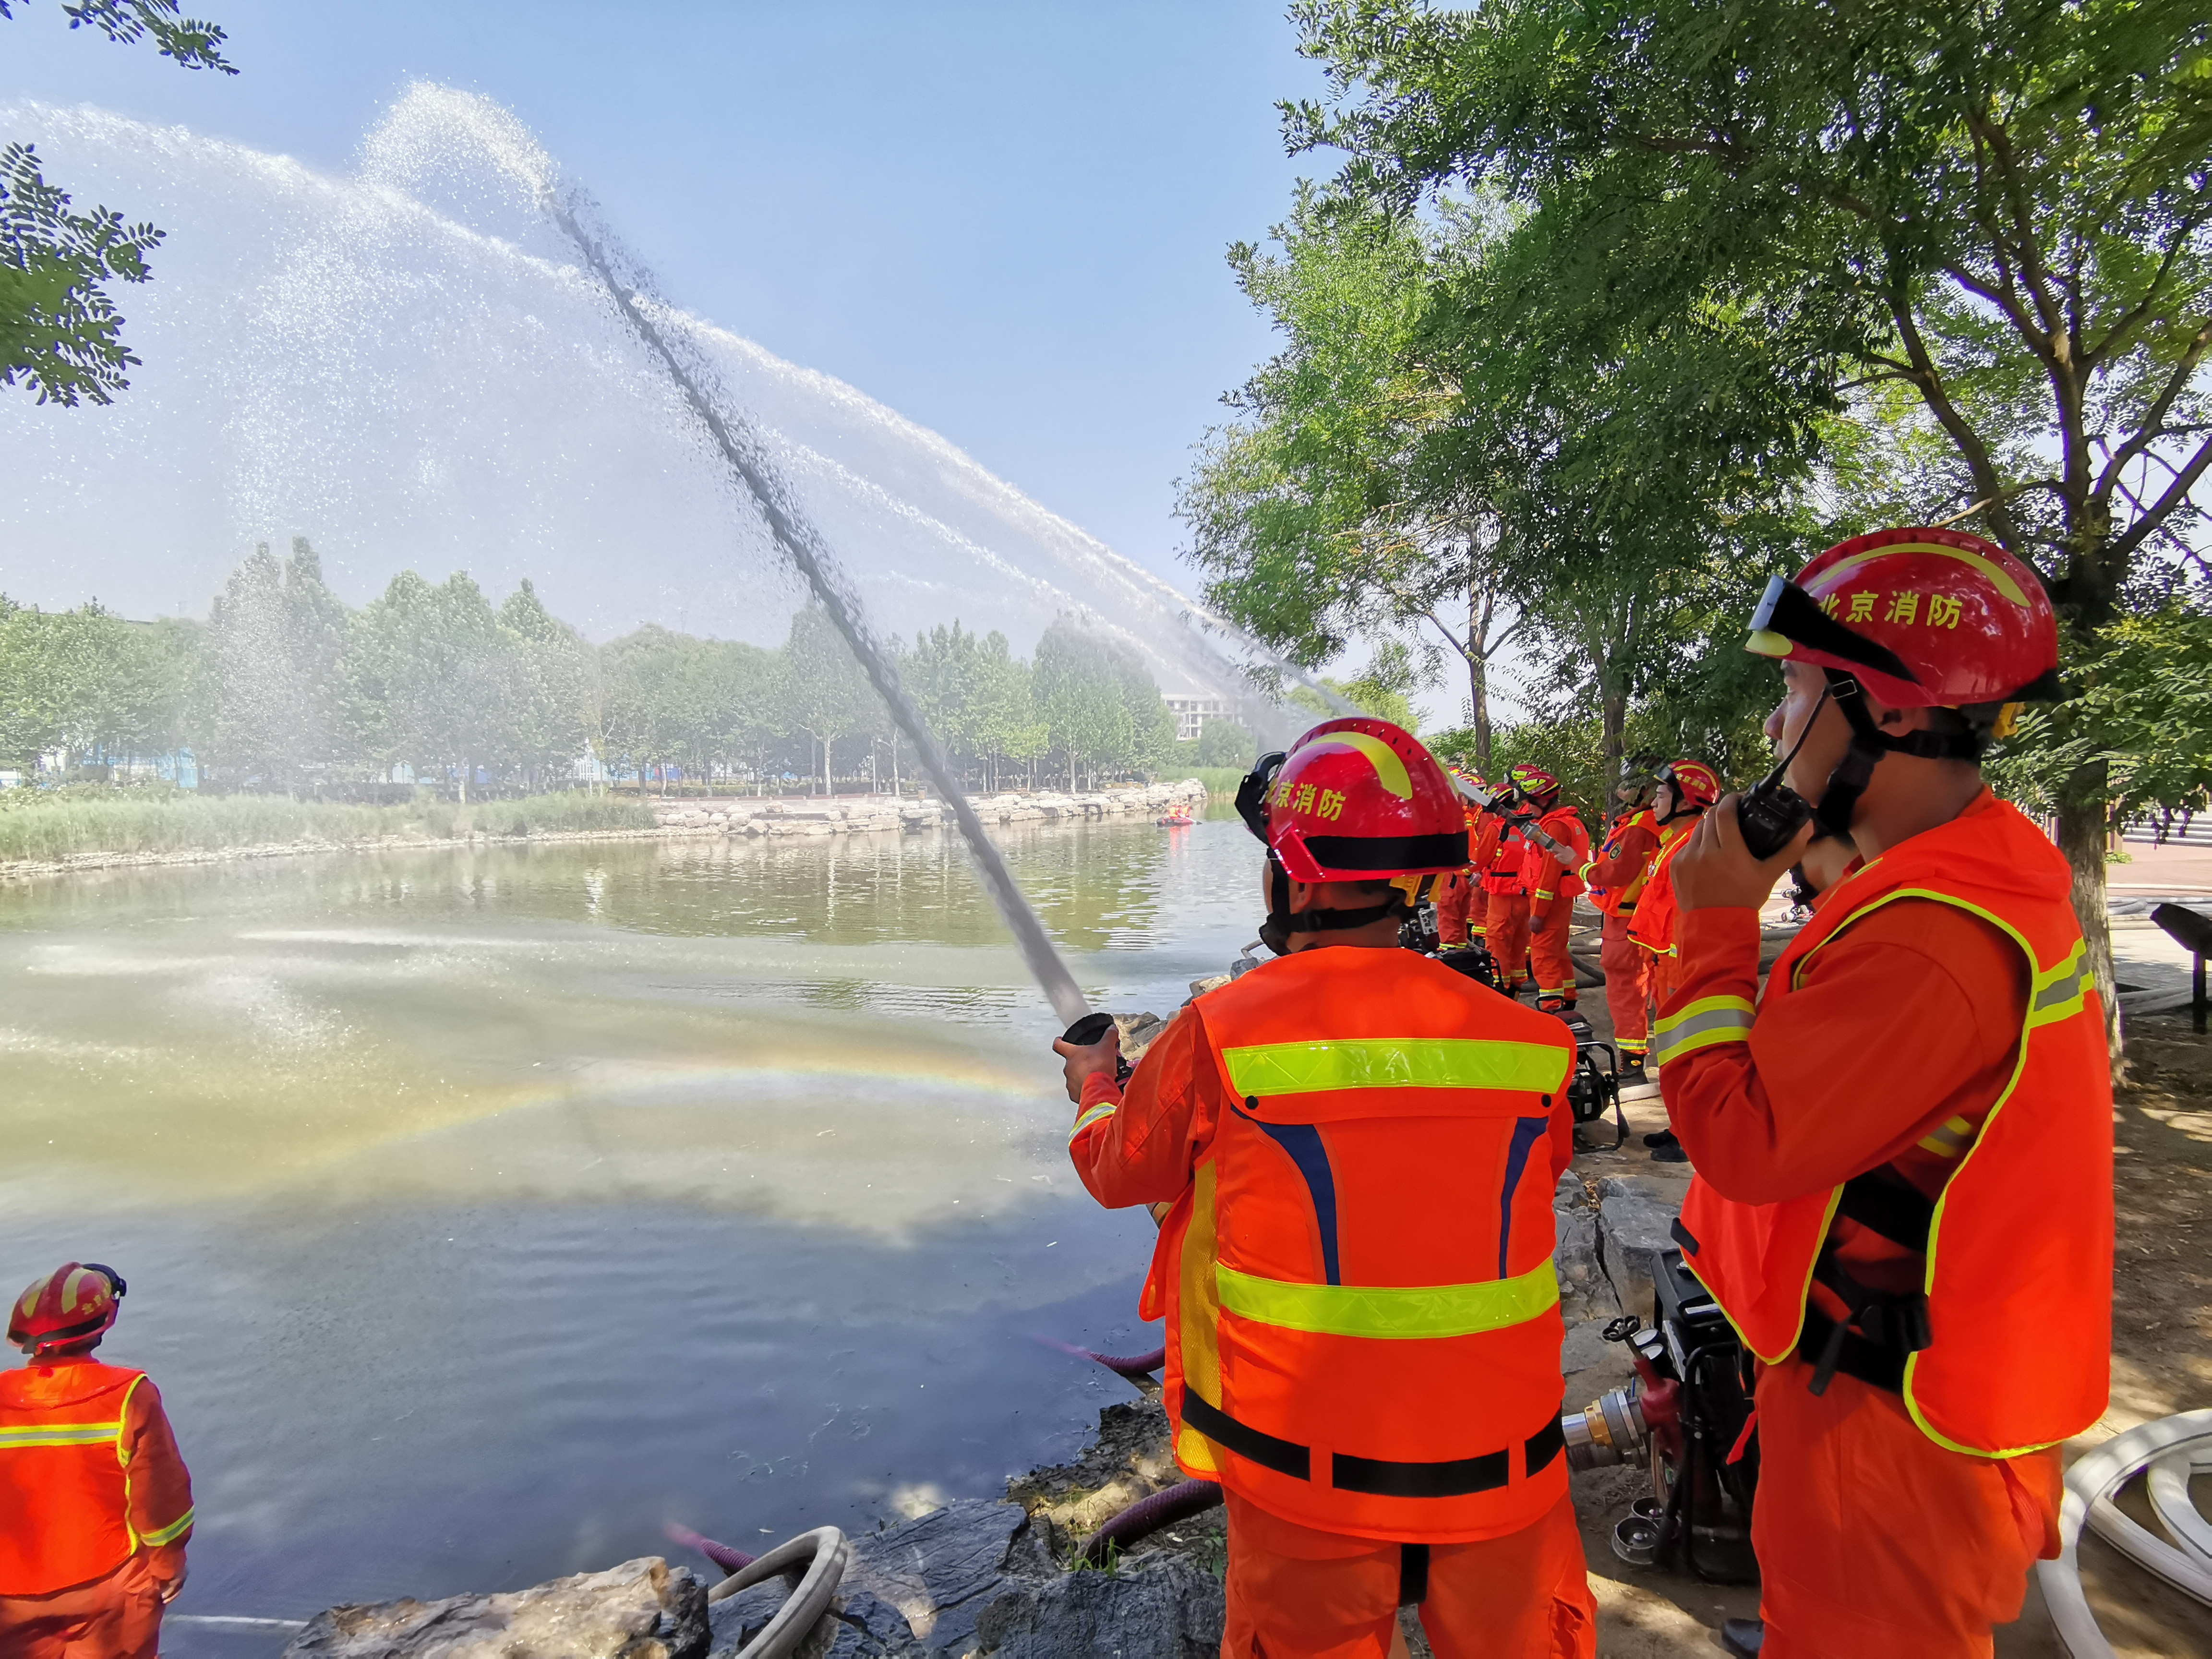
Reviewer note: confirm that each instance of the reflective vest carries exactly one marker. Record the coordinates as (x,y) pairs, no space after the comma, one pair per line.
(1652,926)
(1621,901)
(2018,1280)
(1361,1314)
(65,1479)
(1564,825)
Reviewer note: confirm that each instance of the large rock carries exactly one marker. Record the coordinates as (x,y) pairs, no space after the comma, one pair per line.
(642,1610)
(1167,1609)
(1635,1224)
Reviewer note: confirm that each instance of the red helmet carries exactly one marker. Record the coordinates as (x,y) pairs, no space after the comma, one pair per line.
(1923,618)
(1534,782)
(78,1300)
(1692,781)
(1356,800)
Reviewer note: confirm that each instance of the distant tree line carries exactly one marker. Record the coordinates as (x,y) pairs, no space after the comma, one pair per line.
(286,688)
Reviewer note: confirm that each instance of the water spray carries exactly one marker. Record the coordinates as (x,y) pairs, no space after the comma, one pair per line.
(741,447)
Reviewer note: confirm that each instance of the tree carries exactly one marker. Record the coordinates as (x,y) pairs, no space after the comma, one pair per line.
(825,692)
(430,674)
(60,334)
(1318,515)
(552,691)
(271,690)
(1999,209)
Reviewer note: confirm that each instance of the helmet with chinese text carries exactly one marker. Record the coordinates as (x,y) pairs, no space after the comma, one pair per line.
(1361,800)
(1694,783)
(76,1301)
(1921,617)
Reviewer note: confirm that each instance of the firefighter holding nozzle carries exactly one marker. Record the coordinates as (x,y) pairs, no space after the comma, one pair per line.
(1359,1146)
(1903,1143)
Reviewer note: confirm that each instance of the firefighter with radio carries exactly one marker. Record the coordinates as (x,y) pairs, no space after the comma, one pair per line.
(1904,1144)
(1363,1335)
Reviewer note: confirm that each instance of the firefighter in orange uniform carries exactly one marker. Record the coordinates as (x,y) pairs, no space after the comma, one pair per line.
(1904,1144)
(1362,1326)
(1552,882)
(1459,900)
(96,1506)
(1686,791)
(1511,863)
(1616,877)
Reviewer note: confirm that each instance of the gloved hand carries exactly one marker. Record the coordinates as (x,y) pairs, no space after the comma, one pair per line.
(1089,1059)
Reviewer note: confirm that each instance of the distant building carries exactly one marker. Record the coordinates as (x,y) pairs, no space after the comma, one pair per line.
(1191,714)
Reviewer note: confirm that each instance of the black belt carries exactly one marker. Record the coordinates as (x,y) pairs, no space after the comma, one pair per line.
(1455,1478)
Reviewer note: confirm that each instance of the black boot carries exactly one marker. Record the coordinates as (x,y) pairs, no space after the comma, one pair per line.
(1662,1138)
(1743,1637)
(1667,1150)
(1632,1075)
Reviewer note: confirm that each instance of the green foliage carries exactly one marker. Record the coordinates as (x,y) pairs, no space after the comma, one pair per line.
(1220,780)
(2144,708)
(1099,704)
(60,335)
(51,825)
(1221,742)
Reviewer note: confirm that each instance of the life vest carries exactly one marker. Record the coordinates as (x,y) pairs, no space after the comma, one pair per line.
(64,1484)
(1621,901)
(1362,1313)
(1652,926)
(1497,857)
(1564,825)
(2017,1318)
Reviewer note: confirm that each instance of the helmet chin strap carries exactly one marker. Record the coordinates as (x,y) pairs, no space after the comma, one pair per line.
(1275,931)
(1839,799)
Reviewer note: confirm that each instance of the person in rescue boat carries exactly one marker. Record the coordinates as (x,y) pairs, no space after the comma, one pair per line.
(1360,1147)
(1904,1142)
(95,1504)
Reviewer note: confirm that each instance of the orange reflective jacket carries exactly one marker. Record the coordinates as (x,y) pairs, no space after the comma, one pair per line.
(66,1477)
(1623,864)
(1652,926)
(1363,1318)
(2019,1270)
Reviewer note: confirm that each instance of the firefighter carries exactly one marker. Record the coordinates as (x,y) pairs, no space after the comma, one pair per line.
(1511,863)
(96,1505)
(1615,880)
(1686,791)
(1459,900)
(1552,881)
(1363,1333)
(1904,1145)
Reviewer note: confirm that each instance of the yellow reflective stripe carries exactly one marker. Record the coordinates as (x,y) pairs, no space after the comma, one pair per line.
(1397,1312)
(1702,1023)
(60,1434)
(1543,892)
(2062,992)
(1948,1139)
(170,1534)
(1104,1108)
(1298,1068)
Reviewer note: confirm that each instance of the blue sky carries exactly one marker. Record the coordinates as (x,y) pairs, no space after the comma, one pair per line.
(1005,221)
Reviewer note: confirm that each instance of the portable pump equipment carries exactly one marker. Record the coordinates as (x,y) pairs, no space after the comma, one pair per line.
(1687,1418)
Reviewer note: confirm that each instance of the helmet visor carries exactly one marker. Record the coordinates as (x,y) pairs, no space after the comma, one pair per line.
(1788,615)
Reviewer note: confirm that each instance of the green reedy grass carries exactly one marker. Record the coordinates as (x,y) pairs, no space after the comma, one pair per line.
(46,825)
(1218,780)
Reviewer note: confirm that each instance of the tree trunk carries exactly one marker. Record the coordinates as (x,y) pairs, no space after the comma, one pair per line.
(463,780)
(1478,679)
(1613,715)
(829,777)
(2083,825)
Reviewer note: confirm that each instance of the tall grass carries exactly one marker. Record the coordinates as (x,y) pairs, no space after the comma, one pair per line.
(47,825)
(1218,780)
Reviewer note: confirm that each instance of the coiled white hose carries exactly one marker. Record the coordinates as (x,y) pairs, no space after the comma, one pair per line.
(824,1555)
(2170,1449)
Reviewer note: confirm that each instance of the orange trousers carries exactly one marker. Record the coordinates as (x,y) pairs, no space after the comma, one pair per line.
(1507,934)
(1459,908)
(1548,950)
(1295,1592)
(1872,1539)
(1627,988)
(117,1617)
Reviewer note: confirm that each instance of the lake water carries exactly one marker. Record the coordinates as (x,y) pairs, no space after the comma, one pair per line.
(486,1211)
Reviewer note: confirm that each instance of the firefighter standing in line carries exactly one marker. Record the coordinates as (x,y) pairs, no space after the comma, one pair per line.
(96,1505)
(1512,865)
(1616,877)
(1904,1145)
(1459,900)
(1688,789)
(1553,884)
(1363,1328)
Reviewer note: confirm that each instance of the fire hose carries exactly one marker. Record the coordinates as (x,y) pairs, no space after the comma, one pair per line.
(2171,1450)
(812,1565)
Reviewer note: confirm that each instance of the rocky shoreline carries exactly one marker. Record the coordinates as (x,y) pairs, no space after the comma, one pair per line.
(867,815)
(1005,1577)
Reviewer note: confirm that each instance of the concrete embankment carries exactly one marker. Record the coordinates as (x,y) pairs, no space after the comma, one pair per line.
(908,815)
